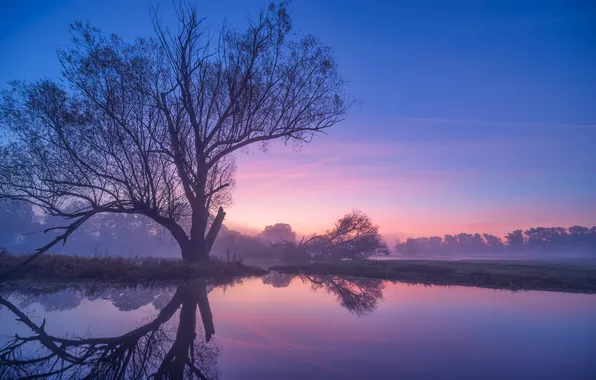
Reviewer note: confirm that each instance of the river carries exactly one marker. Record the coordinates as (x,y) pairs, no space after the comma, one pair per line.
(284,327)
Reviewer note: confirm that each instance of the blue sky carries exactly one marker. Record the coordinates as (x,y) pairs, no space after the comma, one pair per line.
(473,115)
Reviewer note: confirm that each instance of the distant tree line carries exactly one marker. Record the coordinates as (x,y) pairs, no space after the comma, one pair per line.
(575,238)
(23,231)
(354,236)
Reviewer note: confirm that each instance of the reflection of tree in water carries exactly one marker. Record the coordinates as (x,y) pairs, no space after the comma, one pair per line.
(55,301)
(128,299)
(358,295)
(150,351)
(278,280)
(66,298)
(163,298)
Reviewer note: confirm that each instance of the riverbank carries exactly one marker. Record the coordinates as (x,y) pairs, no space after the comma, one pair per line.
(511,275)
(121,270)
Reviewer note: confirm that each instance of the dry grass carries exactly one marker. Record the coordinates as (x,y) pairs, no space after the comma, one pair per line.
(117,269)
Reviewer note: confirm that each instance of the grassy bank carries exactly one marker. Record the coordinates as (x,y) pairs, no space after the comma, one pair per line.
(116,269)
(547,276)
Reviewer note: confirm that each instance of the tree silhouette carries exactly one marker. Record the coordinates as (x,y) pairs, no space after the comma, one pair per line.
(537,239)
(151,127)
(277,279)
(515,239)
(494,243)
(353,237)
(145,352)
(358,295)
(279,232)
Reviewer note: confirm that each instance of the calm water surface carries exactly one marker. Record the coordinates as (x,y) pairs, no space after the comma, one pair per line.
(281,327)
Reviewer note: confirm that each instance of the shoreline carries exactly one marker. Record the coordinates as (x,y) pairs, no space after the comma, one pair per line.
(51,268)
(506,275)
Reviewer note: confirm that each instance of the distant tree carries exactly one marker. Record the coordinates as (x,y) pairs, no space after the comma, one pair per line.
(580,236)
(151,127)
(16,218)
(578,230)
(450,243)
(279,232)
(410,247)
(465,242)
(493,243)
(353,237)
(114,234)
(435,243)
(536,237)
(123,234)
(543,238)
(478,243)
(233,245)
(515,239)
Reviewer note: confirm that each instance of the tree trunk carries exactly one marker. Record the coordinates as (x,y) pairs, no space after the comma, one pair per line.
(198,248)
(200,287)
(178,356)
(215,227)
(195,252)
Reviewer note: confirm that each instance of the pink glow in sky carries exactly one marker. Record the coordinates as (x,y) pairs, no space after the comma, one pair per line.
(400,186)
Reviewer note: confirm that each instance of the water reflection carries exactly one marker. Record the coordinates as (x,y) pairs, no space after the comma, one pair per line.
(151,350)
(62,298)
(278,280)
(148,351)
(359,295)
(282,326)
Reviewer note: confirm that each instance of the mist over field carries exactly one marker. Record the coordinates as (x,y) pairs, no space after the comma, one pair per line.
(137,236)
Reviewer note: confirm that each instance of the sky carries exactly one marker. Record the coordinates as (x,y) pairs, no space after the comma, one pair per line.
(472,116)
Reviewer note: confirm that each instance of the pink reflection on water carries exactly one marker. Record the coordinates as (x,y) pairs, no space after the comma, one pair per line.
(294,329)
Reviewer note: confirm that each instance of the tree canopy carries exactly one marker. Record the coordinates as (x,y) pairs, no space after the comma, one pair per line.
(151,126)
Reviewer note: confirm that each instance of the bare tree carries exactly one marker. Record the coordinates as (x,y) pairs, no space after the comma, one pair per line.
(354,237)
(151,127)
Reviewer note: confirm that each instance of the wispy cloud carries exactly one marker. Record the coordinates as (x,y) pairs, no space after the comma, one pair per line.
(491,123)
